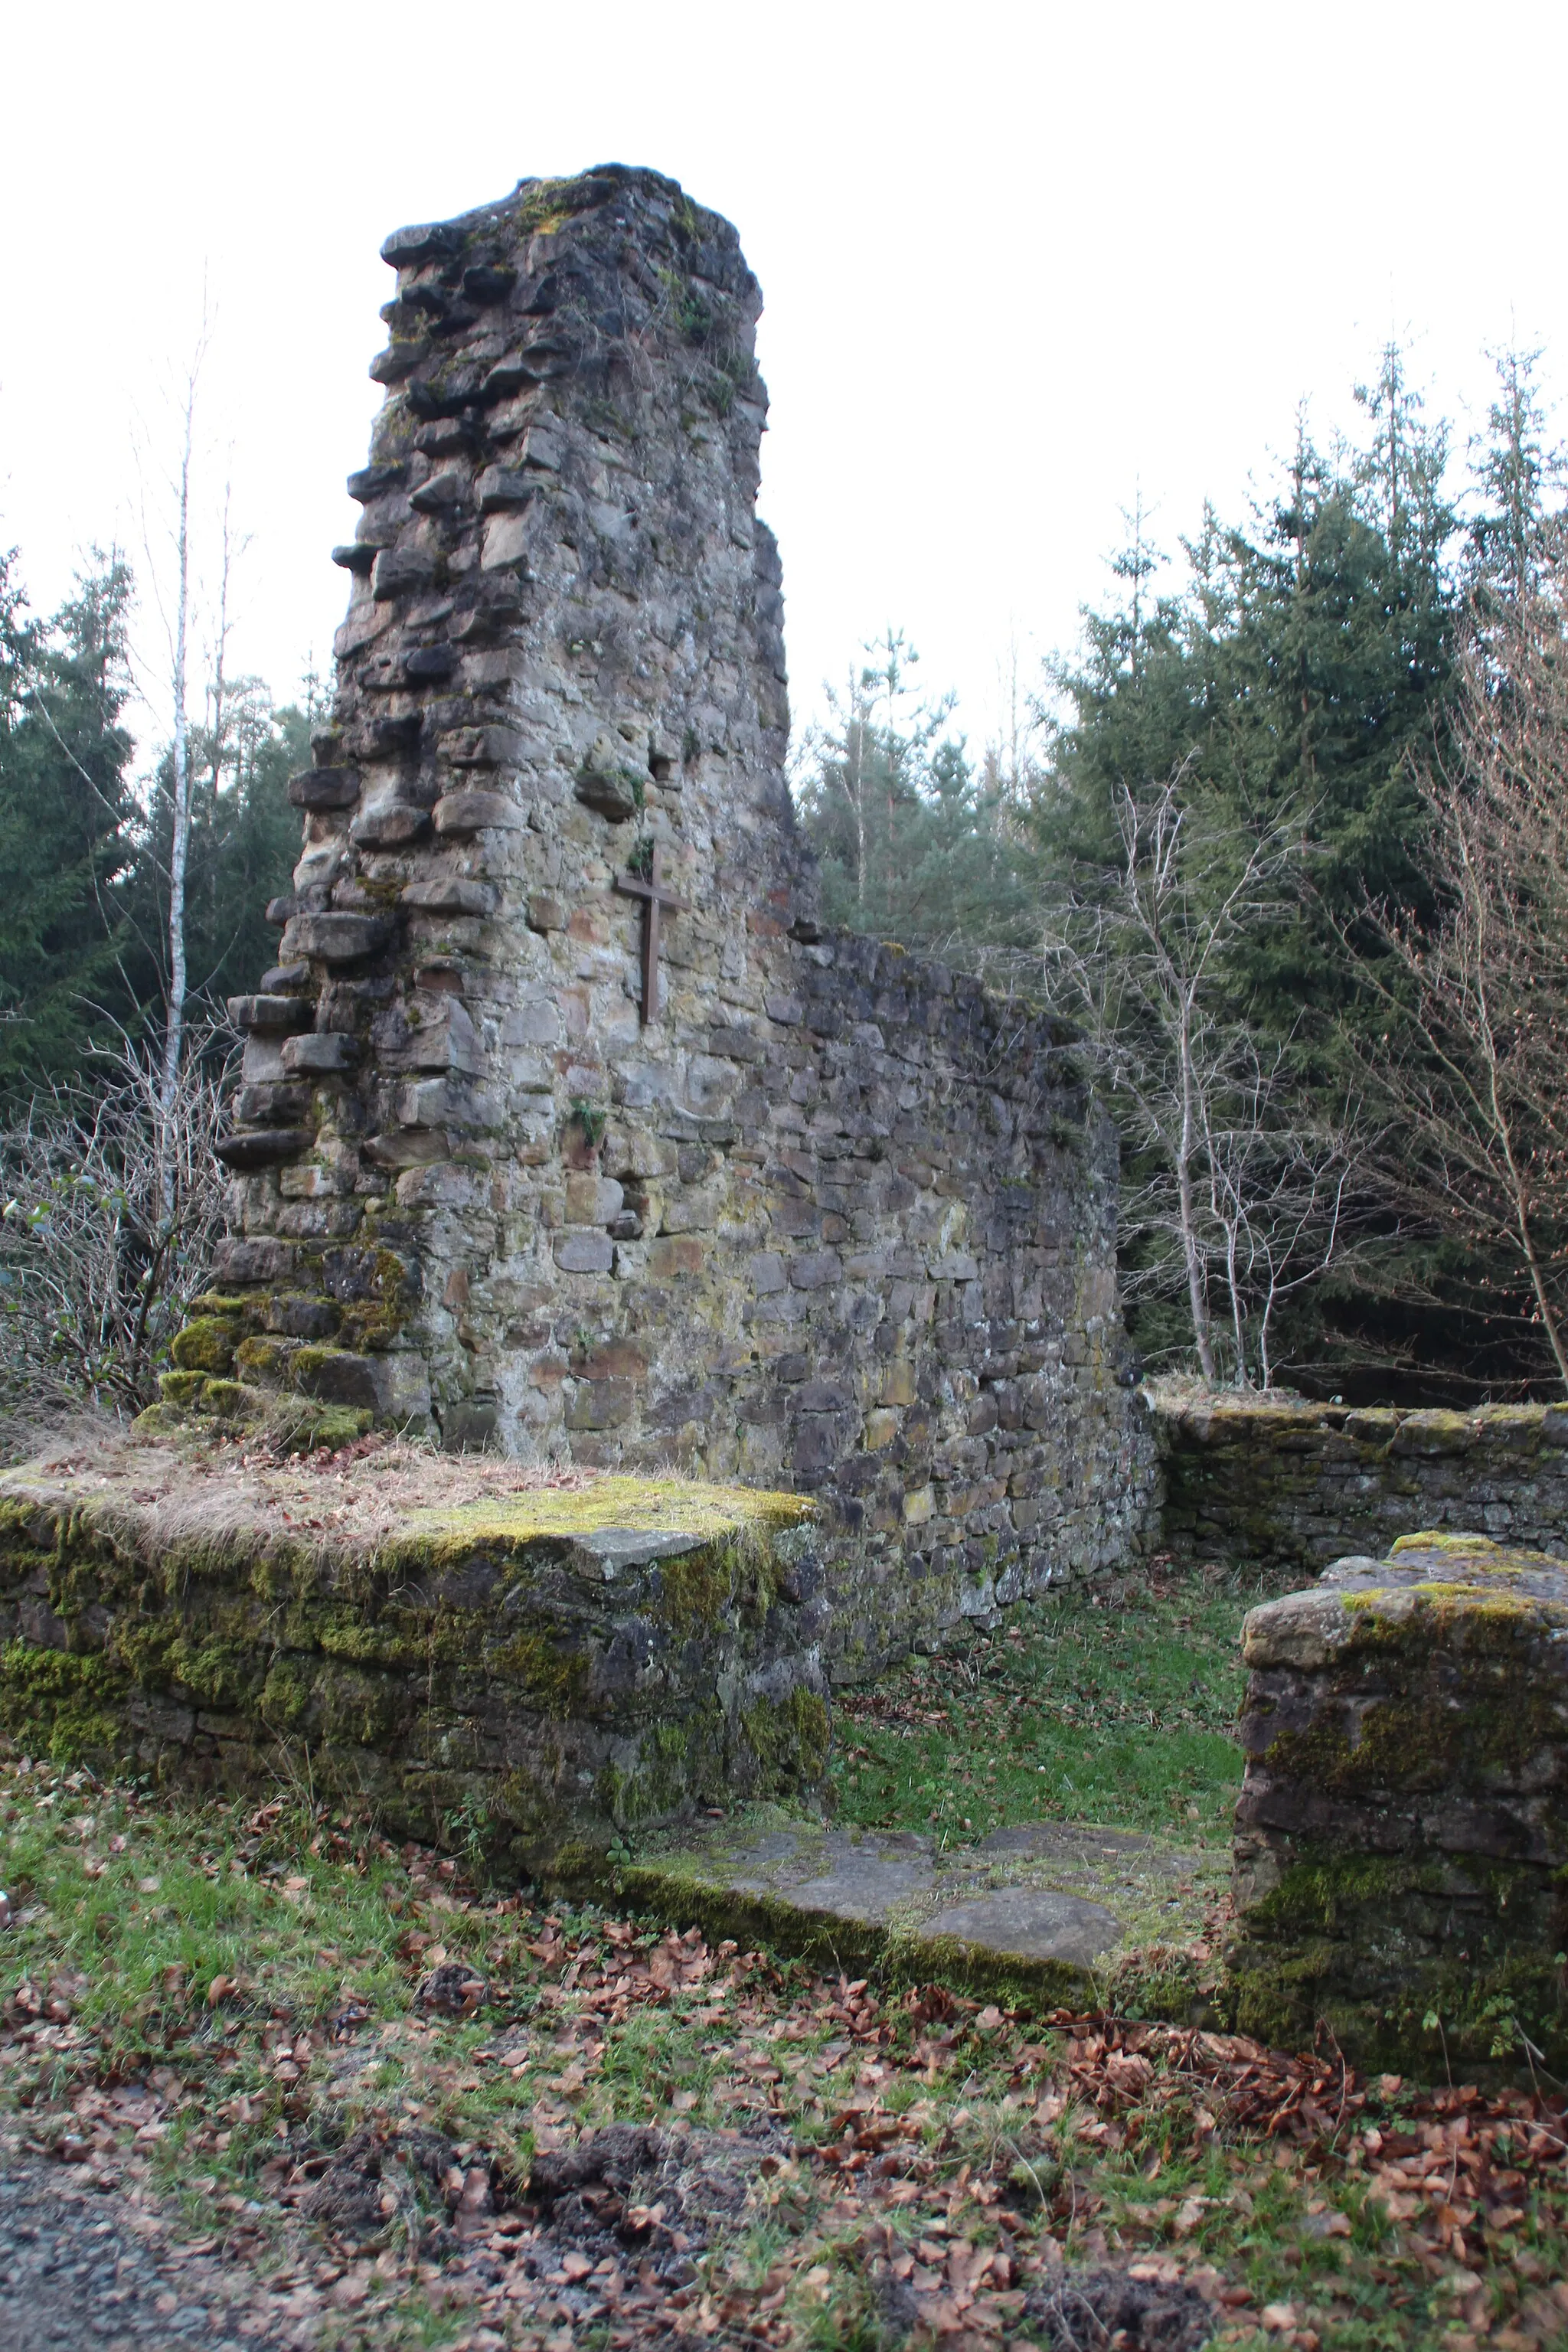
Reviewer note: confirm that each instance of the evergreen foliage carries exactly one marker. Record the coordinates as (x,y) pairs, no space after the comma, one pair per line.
(69,822)
(913,844)
(84,852)
(1294,671)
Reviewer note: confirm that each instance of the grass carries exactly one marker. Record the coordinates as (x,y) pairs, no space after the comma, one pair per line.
(1112,1710)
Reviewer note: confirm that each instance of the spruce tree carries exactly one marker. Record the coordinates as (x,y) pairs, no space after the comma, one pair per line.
(65,819)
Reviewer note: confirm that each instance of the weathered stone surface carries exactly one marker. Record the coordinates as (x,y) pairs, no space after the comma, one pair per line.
(556,1670)
(269,1147)
(824,1168)
(333,937)
(272,1012)
(1401,1834)
(1260,1478)
(1045,1904)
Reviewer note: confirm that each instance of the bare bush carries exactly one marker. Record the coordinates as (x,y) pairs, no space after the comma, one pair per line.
(1242,1194)
(1473,1063)
(113,1203)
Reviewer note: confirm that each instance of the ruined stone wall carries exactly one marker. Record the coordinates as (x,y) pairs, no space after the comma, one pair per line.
(818,1212)
(1302,1483)
(1400,1843)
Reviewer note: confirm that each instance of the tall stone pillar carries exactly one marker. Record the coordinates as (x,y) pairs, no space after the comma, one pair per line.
(563,655)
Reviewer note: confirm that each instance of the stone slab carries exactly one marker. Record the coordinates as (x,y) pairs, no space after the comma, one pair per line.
(1046,1902)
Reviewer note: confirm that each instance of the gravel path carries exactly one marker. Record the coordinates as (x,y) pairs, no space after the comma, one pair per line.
(83,2268)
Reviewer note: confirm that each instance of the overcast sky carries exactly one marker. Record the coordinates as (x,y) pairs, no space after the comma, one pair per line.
(1017,261)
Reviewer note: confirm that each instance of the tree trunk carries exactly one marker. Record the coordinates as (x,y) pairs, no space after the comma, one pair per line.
(179,848)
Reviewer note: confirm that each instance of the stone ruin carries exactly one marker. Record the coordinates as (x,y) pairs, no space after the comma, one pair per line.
(564,1127)
(1400,1837)
(566,1130)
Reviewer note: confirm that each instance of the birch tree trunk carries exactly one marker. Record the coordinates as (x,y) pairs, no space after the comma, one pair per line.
(179,847)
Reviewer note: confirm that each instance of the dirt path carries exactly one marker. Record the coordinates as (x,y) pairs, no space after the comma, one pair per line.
(83,2268)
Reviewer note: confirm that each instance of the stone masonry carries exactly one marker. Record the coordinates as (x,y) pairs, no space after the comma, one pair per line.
(1400,1845)
(1276,1479)
(807,1210)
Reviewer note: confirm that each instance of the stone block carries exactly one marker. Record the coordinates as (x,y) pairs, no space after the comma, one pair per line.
(324,788)
(335,938)
(320,1055)
(1403,1830)
(674,1255)
(814,1269)
(391,825)
(451,894)
(459,814)
(583,1253)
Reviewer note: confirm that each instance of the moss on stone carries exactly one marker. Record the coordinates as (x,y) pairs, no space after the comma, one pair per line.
(264,1358)
(641,1505)
(373,1319)
(229,1651)
(551,1678)
(206,1344)
(789,1737)
(1444,1539)
(61,1702)
(1373,1946)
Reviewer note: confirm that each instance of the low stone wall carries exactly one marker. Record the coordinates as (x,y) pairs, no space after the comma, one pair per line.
(1401,1837)
(536,1678)
(1300,1484)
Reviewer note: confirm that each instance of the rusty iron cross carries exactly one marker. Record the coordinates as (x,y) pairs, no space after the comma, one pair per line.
(655,896)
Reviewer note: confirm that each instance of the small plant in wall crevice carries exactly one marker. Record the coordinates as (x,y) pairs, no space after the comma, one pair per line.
(592,1118)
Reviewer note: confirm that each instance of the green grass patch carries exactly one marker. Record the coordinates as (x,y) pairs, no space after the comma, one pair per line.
(1116,1710)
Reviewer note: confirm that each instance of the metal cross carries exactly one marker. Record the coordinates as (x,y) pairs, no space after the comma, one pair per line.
(652,891)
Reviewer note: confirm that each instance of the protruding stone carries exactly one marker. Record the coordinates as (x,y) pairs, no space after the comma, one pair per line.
(401,572)
(459,813)
(335,938)
(450,894)
(425,241)
(482,747)
(375,482)
(280,1013)
(238,1260)
(263,1147)
(320,1054)
(391,825)
(325,788)
(505,485)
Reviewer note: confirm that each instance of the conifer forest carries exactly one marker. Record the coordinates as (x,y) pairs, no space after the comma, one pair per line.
(1278,839)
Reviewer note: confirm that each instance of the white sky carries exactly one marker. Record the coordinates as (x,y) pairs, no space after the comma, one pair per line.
(1017,261)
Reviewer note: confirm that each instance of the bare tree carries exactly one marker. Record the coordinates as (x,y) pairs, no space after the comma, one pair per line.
(114,1201)
(1474,1058)
(1249,1197)
(175,609)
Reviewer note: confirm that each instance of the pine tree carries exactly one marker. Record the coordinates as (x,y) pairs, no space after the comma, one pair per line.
(65,819)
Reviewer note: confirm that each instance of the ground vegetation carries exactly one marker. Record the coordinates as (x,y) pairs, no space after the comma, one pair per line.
(346,2092)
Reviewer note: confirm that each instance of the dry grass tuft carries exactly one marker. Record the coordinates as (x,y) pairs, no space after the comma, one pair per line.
(229,1498)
